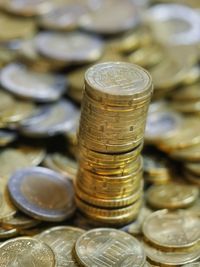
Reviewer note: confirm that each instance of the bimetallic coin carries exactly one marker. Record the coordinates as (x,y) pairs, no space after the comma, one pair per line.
(61,240)
(174,24)
(25,251)
(109,247)
(51,119)
(42,193)
(17,79)
(117,17)
(71,48)
(170,258)
(172,230)
(172,196)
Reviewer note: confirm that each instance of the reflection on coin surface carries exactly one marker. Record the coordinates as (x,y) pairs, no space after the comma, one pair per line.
(170,258)
(17,79)
(172,195)
(61,240)
(118,78)
(26,252)
(72,47)
(50,120)
(109,247)
(42,193)
(172,230)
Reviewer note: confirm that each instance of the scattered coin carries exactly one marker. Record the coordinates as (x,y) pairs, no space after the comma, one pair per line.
(42,193)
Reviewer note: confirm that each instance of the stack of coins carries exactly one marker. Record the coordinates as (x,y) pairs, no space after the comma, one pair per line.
(114,108)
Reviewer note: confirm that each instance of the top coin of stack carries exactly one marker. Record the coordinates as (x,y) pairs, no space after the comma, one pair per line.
(115,105)
(114,109)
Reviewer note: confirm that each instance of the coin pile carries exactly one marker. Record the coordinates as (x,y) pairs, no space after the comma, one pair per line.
(171,238)
(115,103)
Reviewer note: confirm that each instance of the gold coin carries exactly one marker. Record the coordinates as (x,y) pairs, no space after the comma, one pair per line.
(7,209)
(191,153)
(118,216)
(109,247)
(171,196)
(194,179)
(193,167)
(61,240)
(20,221)
(25,251)
(169,258)
(195,208)
(8,233)
(187,93)
(15,27)
(187,107)
(170,230)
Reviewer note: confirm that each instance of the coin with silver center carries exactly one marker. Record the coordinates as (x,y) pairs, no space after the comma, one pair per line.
(42,193)
(75,47)
(42,87)
(51,119)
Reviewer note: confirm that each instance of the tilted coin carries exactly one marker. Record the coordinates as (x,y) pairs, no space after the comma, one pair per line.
(168,23)
(61,240)
(12,159)
(170,258)
(172,230)
(17,79)
(42,193)
(20,221)
(8,233)
(71,48)
(27,8)
(15,27)
(193,167)
(190,154)
(51,119)
(187,93)
(26,251)
(118,17)
(7,137)
(63,17)
(172,195)
(109,247)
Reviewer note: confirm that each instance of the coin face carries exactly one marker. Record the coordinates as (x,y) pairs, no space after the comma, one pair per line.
(17,79)
(61,240)
(170,258)
(118,78)
(117,17)
(42,193)
(109,247)
(172,195)
(72,47)
(50,120)
(172,230)
(25,252)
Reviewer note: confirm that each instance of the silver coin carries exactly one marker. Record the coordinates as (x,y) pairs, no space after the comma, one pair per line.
(42,193)
(17,79)
(51,119)
(111,17)
(174,24)
(72,47)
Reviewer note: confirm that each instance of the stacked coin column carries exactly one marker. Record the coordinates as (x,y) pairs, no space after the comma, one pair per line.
(115,103)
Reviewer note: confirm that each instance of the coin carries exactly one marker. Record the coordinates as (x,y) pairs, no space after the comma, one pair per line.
(27,189)
(25,251)
(61,240)
(50,119)
(60,47)
(118,17)
(191,153)
(170,230)
(172,195)
(193,167)
(8,233)
(108,247)
(7,137)
(17,79)
(170,258)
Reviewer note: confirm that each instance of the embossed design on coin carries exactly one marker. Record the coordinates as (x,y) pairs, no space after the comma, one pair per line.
(62,239)
(26,252)
(118,78)
(109,247)
(172,230)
